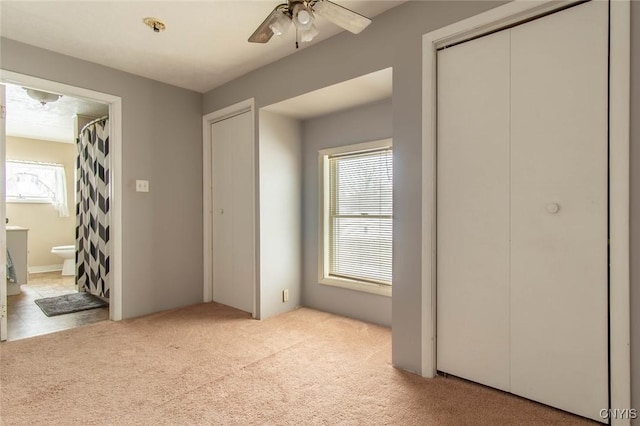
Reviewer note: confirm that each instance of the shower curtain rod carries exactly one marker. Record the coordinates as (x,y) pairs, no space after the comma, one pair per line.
(35,163)
(97,120)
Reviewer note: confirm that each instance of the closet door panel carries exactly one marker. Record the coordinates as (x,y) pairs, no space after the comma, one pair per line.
(233,225)
(473,211)
(222,214)
(559,210)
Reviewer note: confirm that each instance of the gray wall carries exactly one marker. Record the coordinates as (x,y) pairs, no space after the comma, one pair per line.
(368,123)
(635,207)
(280,156)
(394,39)
(161,142)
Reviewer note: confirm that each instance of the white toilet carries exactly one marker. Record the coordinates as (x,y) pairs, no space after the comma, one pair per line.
(68,253)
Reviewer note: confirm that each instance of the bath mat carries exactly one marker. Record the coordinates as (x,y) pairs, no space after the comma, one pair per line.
(75,302)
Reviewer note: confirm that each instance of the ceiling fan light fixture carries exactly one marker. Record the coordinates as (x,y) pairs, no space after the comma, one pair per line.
(302,16)
(281,24)
(302,13)
(42,97)
(341,16)
(308,35)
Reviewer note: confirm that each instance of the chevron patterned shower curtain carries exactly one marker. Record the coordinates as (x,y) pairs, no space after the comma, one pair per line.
(93,190)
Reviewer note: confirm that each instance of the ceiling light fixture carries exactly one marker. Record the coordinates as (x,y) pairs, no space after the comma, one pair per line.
(308,35)
(42,97)
(155,24)
(303,14)
(303,20)
(281,22)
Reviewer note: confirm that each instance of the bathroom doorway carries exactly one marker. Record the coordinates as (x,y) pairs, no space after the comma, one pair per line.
(41,161)
(45,277)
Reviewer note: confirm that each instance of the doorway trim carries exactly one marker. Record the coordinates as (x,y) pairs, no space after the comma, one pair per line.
(619,309)
(115,136)
(247,105)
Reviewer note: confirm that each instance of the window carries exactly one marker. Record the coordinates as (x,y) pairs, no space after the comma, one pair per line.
(29,182)
(356,221)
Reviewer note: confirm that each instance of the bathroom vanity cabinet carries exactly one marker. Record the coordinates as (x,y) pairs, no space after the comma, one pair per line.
(17,244)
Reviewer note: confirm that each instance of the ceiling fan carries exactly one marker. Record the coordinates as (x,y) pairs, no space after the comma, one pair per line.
(302,14)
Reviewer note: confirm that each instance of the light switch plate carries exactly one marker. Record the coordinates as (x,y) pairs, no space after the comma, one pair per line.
(142,186)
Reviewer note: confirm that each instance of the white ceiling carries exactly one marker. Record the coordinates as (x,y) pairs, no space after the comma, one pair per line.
(54,121)
(347,94)
(204,45)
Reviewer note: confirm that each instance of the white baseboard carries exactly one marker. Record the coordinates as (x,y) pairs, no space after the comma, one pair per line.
(44,268)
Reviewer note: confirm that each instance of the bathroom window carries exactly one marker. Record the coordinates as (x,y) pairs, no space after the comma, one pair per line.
(356,217)
(30,182)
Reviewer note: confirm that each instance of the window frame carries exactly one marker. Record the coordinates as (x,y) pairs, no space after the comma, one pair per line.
(323,218)
(37,200)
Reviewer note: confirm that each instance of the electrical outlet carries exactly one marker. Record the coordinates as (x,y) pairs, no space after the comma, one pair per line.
(285,296)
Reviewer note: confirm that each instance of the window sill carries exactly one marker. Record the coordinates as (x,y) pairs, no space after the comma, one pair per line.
(379,289)
(27,201)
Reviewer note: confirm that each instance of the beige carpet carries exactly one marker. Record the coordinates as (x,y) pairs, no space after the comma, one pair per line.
(210,364)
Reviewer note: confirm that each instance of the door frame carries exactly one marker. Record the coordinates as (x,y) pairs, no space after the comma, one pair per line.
(619,184)
(247,105)
(3,213)
(115,137)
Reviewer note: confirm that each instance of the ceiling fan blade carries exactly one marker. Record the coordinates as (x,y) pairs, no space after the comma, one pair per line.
(341,16)
(264,32)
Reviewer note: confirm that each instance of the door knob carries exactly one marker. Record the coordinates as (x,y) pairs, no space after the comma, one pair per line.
(553,208)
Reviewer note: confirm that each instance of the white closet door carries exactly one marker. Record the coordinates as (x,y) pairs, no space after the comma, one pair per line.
(522,210)
(559,258)
(233,212)
(473,211)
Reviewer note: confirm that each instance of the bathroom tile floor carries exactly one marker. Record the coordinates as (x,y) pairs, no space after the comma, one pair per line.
(24,317)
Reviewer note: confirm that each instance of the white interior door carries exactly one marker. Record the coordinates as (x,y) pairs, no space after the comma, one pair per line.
(522,210)
(233,212)
(473,211)
(559,338)
(3,215)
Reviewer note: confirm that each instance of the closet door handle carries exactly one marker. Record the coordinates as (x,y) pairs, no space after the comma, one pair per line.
(553,208)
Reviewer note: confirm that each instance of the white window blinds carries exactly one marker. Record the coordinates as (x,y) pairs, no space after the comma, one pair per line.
(360,216)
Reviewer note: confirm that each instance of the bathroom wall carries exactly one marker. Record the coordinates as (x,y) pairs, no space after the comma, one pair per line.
(46,227)
(79,121)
